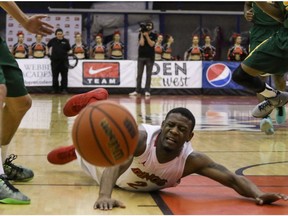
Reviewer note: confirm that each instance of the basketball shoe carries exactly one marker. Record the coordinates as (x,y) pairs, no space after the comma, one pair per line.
(16,173)
(9,194)
(77,102)
(266,107)
(62,155)
(266,126)
(280,115)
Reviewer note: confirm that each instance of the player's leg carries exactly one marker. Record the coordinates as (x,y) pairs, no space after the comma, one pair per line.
(280,84)
(17,103)
(265,59)
(8,193)
(77,102)
(266,124)
(66,154)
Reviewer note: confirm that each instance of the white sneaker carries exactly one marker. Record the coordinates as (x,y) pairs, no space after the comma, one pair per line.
(266,107)
(133,93)
(266,126)
(147,94)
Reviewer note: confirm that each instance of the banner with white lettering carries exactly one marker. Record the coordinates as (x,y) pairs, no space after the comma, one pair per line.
(36,72)
(114,74)
(89,73)
(177,74)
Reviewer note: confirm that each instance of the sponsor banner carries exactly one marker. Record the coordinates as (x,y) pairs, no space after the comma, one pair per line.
(69,23)
(110,74)
(176,74)
(36,72)
(219,75)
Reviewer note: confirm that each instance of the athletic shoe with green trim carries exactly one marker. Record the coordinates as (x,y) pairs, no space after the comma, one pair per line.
(280,115)
(16,173)
(264,108)
(266,126)
(9,194)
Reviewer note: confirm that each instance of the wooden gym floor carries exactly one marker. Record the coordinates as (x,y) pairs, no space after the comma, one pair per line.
(225,131)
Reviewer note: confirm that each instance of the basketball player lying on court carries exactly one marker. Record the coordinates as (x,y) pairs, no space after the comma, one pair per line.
(163,156)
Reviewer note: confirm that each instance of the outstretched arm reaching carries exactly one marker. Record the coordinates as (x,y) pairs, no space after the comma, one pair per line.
(33,24)
(203,165)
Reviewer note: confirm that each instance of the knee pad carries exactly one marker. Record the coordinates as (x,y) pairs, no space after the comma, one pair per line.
(244,79)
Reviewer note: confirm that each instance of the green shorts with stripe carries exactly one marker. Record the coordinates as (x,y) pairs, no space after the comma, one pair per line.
(259,33)
(271,56)
(10,73)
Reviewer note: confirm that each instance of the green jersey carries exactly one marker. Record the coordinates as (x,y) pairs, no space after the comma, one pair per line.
(261,18)
(284,8)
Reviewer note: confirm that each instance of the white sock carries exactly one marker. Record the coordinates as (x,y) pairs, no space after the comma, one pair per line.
(1,165)
(268,92)
(4,152)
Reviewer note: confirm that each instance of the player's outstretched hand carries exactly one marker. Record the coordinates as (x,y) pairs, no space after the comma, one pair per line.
(35,25)
(269,198)
(107,204)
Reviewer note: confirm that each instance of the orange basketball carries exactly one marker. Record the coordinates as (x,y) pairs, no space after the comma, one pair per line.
(105,133)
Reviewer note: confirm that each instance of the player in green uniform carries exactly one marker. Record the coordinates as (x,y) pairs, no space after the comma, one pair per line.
(263,27)
(14,103)
(270,57)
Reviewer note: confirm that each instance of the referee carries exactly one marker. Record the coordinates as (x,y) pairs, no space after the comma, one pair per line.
(59,48)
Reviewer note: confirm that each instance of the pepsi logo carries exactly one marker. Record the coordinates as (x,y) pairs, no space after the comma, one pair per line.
(218,75)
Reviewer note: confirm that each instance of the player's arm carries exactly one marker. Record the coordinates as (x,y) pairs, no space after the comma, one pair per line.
(203,165)
(248,11)
(271,10)
(32,24)
(111,174)
(107,183)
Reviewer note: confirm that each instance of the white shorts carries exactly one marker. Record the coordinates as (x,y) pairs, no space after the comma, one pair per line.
(91,170)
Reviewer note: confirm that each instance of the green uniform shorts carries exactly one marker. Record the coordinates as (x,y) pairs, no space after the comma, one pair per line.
(10,73)
(271,56)
(259,33)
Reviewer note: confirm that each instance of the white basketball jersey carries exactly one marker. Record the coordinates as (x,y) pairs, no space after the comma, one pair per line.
(147,174)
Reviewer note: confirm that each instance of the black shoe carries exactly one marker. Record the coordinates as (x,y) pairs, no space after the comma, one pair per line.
(16,173)
(64,91)
(54,92)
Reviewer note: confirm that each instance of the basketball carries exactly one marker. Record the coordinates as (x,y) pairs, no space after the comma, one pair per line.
(105,133)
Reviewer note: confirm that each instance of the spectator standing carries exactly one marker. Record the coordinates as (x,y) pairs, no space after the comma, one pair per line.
(208,49)
(116,48)
(58,50)
(38,49)
(158,47)
(195,52)
(146,56)
(98,49)
(167,50)
(20,50)
(237,52)
(79,49)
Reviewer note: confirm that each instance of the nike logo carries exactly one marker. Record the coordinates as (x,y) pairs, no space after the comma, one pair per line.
(92,71)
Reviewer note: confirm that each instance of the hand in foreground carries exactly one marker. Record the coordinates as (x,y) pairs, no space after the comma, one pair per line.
(35,25)
(107,204)
(249,15)
(269,198)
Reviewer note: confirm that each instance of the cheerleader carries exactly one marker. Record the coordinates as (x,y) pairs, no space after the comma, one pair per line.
(20,50)
(79,49)
(38,49)
(98,50)
(116,47)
